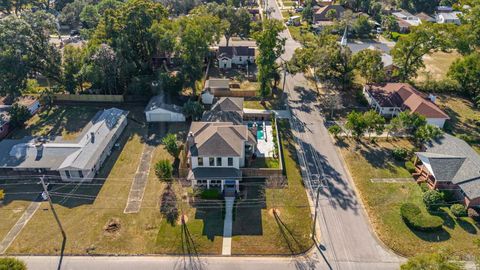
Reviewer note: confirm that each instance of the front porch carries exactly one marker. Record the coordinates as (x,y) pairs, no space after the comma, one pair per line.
(227,179)
(422,175)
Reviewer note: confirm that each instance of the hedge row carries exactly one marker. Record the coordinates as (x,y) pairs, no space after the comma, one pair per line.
(413,216)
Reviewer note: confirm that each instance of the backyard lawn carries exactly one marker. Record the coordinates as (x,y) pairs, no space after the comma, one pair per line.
(383,201)
(66,121)
(256,229)
(437,65)
(464,117)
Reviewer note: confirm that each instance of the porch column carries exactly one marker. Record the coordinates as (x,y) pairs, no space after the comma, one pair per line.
(208,184)
(194,183)
(222,185)
(237,185)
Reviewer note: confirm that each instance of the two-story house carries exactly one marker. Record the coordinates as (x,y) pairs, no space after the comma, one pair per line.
(235,55)
(216,152)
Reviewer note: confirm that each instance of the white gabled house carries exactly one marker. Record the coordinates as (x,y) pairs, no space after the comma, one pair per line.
(235,55)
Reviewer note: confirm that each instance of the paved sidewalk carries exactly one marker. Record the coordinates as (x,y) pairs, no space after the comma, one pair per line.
(17,228)
(135,197)
(227,227)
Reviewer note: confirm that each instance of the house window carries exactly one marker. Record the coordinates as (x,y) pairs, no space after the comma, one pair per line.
(80,174)
(200,161)
(240,58)
(219,161)
(230,161)
(211,161)
(67,173)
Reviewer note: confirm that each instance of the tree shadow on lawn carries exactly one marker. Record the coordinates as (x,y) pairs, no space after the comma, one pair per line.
(248,208)
(434,237)
(467,226)
(295,246)
(211,212)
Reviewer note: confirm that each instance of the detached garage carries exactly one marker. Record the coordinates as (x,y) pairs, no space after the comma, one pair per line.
(158,111)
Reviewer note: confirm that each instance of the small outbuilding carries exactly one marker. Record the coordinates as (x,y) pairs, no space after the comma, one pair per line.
(159,111)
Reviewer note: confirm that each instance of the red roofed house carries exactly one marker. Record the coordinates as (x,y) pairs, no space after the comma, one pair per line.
(392,98)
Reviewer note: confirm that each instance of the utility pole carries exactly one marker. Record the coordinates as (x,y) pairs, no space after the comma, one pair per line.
(46,195)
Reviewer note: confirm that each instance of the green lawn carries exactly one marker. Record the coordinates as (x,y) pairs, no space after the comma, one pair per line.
(301,33)
(464,117)
(437,65)
(261,162)
(66,121)
(383,201)
(257,230)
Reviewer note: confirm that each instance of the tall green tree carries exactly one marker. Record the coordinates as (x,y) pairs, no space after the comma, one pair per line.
(369,64)
(362,27)
(467,72)
(25,50)
(356,124)
(197,32)
(270,46)
(73,59)
(409,50)
(374,122)
(236,21)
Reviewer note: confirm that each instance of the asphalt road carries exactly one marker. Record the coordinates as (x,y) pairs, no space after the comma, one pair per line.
(346,241)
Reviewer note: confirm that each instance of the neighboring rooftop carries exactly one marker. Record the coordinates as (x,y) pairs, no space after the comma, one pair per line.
(451,159)
(217,83)
(403,95)
(219,139)
(231,51)
(158,101)
(425,17)
(31,153)
(321,14)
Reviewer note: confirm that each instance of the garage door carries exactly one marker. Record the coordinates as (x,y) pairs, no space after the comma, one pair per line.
(160,117)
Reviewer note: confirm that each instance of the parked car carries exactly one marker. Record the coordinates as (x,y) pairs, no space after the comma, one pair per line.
(74,32)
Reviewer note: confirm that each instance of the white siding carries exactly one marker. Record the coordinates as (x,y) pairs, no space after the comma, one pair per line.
(160,115)
(206,162)
(439,122)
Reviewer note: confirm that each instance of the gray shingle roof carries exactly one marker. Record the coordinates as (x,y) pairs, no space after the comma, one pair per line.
(228,104)
(57,154)
(159,102)
(452,159)
(219,139)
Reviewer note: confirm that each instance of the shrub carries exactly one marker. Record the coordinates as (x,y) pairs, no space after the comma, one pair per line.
(458,210)
(424,187)
(335,130)
(433,199)
(164,169)
(210,194)
(12,264)
(413,217)
(19,114)
(400,153)
(449,196)
(168,205)
(170,142)
(2,194)
(410,167)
